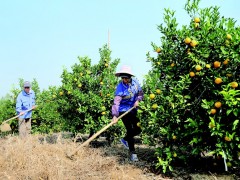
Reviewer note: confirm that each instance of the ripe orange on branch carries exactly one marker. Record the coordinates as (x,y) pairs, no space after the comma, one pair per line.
(198,67)
(158,91)
(152,96)
(208,66)
(234,84)
(191,74)
(226,62)
(187,40)
(154,106)
(227,138)
(217,64)
(193,43)
(218,81)
(158,50)
(213,111)
(172,65)
(218,104)
(197,20)
(229,36)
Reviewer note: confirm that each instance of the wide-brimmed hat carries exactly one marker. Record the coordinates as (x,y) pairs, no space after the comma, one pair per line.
(125,70)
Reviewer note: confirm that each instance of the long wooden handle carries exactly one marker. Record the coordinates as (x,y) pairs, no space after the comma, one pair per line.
(15,116)
(97,133)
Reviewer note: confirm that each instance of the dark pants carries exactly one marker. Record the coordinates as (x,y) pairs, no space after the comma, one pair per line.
(130,121)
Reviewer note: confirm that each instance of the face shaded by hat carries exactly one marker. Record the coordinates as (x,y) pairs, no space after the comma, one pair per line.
(125,71)
(124,75)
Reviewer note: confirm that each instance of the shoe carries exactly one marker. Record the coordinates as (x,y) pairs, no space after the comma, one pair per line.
(124,143)
(134,157)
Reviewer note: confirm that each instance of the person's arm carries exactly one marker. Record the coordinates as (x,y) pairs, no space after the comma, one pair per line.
(115,106)
(140,95)
(19,104)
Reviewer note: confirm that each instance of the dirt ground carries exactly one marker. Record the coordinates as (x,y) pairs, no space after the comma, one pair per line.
(44,157)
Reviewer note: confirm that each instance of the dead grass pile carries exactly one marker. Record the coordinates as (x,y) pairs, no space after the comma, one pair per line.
(33,159)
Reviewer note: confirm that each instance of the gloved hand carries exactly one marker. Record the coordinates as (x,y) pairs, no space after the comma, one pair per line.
(136,104)
(21,113)
(114,120)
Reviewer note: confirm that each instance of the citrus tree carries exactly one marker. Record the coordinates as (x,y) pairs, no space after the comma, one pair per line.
(87,93)
(193,88)
(46,118)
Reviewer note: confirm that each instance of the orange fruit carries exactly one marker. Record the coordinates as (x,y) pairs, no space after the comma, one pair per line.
(187,40)
(158,91)
(158,50)
(226,62)
(213,111)
(227,138)
(229,36)
(103,113)
(152,96)
(174,154)
(193,43)
(174,137)
(154,106)
(217,64)
(218,104)
(208,66)
(234,84)
(191,74)
(198,67)
(218,81)
(172,65)
(197,20)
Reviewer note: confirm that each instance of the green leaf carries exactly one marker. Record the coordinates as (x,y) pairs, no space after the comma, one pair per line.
(229,111)
(235,113)
(235,123)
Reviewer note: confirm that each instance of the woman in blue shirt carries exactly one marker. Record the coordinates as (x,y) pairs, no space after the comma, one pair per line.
(127,95)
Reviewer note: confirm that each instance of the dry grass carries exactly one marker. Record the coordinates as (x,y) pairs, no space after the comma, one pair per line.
(33,159)
(41,157)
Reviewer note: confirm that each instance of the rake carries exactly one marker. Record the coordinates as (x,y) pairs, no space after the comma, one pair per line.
(95,135)
(4,127)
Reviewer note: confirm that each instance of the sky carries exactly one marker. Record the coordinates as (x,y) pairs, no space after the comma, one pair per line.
(39,38)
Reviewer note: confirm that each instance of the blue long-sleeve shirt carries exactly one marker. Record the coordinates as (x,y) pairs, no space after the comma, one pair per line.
(126,95)
(24,102)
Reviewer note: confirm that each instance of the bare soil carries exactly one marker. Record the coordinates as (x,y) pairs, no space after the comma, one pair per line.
(44,157)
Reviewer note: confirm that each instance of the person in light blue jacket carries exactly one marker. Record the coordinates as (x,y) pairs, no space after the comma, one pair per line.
(127,95)
(24,106)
